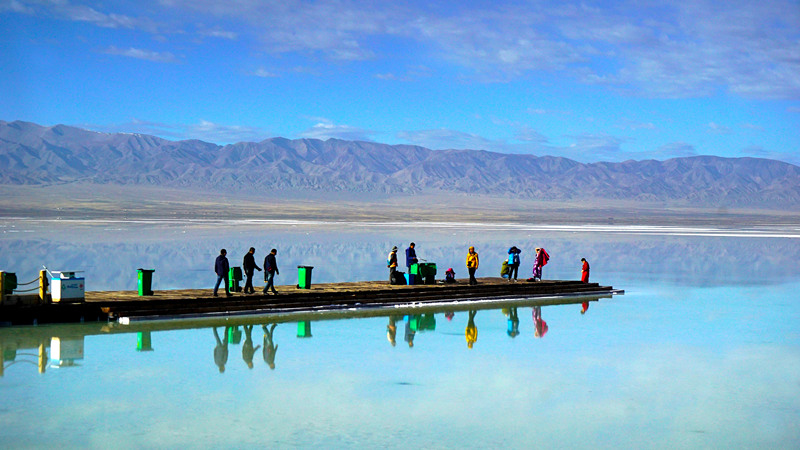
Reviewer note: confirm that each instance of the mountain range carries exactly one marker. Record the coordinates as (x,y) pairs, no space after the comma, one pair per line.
(32,154)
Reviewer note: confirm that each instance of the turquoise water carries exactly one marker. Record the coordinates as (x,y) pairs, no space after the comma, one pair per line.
(703,350)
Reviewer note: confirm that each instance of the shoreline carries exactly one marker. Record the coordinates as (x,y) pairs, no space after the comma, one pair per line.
(129,203)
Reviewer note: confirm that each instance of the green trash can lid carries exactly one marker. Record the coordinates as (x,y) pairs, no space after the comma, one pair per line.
(146,270)
(305,267)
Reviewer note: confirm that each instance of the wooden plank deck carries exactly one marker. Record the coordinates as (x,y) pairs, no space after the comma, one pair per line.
(112,305)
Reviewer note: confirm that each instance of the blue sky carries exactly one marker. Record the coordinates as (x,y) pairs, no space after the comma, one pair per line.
(592,81)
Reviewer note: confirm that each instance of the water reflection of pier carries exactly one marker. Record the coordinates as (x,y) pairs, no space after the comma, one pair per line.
(62,346)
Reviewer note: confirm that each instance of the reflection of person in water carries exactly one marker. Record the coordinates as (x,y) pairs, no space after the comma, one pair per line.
(221,350)
(409,334)
(391,330)
(513,323)
(472,331)
(247,348)
(539,325)
(270,349)
(584,307)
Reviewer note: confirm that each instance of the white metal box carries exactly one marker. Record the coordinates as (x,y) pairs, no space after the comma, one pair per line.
(65,286)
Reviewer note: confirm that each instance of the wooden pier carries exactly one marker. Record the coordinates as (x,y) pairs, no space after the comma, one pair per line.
(128,306)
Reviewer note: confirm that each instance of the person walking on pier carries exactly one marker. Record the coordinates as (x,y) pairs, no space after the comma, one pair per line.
(249,264)
(221,267)
(392,264)
(541,260)
(472,265)
(270,270)
(513,262)
(584,271)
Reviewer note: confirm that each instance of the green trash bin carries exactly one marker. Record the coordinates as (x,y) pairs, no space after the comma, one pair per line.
(234,335)
(304,329)
(9,282)
(427,271)
(144,342)
(145,282)
(413,275)
(234,277)
(304,277)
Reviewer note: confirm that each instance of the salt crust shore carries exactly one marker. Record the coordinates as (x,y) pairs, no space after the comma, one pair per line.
(11,225)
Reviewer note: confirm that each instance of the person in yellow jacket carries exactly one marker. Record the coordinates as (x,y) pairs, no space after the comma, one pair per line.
(472,265)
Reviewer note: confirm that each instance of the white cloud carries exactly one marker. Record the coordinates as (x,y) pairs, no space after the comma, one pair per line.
(325,129)
(65,10)
(16,6)
(336,30)
(757,151)
(443,138)
(217,133)
(527,134)
(630,124)
(595,147)
(716,128)
(219,33)
(264,73)
(673,150)
(204,130)
(683,49)
(147,55)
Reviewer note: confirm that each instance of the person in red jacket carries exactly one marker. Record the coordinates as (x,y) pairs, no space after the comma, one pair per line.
(585,271)
(541,260)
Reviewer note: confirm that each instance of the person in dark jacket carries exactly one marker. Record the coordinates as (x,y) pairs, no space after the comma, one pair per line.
(391,263)
(249,264)
(411,256)
(221,267)
(270,270)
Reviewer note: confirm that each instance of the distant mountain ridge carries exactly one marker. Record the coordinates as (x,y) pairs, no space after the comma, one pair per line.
(31,154)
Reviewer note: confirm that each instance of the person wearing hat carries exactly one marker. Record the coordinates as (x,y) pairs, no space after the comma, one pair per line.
(392,264)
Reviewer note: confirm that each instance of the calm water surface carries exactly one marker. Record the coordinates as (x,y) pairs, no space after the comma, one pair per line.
(702,351)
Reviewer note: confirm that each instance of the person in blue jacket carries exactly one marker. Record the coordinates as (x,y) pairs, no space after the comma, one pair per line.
(411,256)
(513,262)
(221,267)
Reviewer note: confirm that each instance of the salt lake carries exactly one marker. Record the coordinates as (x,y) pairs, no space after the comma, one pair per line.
(703,350)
